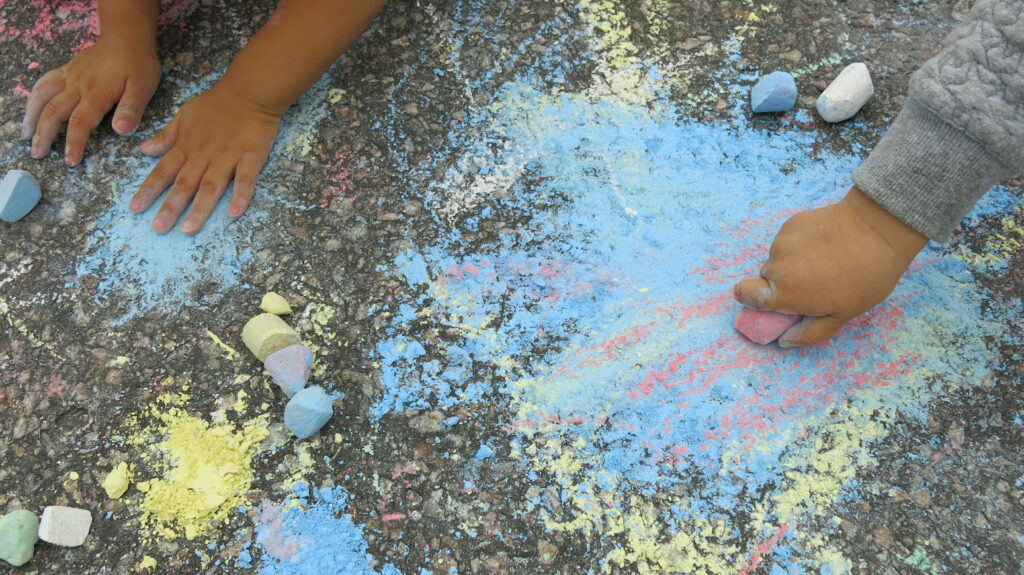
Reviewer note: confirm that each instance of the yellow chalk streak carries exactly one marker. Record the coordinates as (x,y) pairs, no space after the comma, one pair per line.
(228,350)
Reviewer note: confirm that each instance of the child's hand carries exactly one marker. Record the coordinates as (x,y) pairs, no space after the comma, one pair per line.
(832,264)
(216,136)
(82,91)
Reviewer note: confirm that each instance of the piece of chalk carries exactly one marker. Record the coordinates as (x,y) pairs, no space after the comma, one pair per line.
(19,531)
(847,94)
(19,193)
(308,411)
(764,327)
(117,481)
(775,92)
(65,526)
(275,304)
(289,368)
(267,333)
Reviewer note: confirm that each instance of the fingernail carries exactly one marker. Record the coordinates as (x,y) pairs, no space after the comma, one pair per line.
(235,211)
(145,144)
(787,343)
(124,126)
(188,227)
(24,132)
(135,205)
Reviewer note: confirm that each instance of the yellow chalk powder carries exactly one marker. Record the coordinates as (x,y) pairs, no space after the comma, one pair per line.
(147,563)
(208,469)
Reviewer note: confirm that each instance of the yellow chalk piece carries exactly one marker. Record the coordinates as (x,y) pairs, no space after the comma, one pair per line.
(275,304)
(73,476)
(267,333)
(147,563)
(117,481)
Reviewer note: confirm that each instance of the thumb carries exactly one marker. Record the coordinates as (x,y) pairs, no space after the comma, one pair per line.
(810,331)
(163,141)
(756,293)
(129,110)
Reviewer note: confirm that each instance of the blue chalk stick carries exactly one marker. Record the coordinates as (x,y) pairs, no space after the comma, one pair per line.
(19,193)
(775,92)
(308,411)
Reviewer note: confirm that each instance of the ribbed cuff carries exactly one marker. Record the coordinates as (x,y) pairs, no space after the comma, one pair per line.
(928,173)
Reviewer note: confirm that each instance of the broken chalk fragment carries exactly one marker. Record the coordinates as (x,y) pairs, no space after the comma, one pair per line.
(289,368)
(65,526)
(19,193)
(308,411)
(775,92)
(847,94)
(275,304)
(764,327)
(267,333)
(19,531)
(117,481)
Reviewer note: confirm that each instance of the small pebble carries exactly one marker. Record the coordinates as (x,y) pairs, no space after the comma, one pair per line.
(775,92)
(764,327)
(267,333)
(65,526)
(275,304)
(19,193)
(289,368)
(117,481)
(19,531)
(847,94)
(308,411)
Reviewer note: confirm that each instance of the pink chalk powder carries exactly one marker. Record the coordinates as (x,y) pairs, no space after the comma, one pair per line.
(764,327)
(273,541)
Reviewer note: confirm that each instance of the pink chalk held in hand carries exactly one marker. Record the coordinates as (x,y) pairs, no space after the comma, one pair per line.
(764,327)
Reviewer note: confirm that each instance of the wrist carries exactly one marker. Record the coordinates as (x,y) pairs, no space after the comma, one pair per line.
(259,93)
(901,237)
(129,24)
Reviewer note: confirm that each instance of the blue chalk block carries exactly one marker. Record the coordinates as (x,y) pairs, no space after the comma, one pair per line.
(289,368)
(775,92)
(19,193)
(308,411)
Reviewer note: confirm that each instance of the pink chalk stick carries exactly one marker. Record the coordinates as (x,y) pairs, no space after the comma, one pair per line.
(764,327)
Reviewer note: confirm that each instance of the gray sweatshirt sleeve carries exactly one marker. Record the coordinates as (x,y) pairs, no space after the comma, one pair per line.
(961,129)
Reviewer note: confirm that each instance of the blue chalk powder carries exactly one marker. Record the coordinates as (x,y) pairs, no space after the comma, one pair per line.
(308,411)
(330,541)
(19,193)
(775,92)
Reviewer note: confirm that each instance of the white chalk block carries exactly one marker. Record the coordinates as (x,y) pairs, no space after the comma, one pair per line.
(19,193)
(65,526)
(847,94)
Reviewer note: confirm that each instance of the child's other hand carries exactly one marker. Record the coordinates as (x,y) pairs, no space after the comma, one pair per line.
(216,136)
(82,91)
(832,264)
